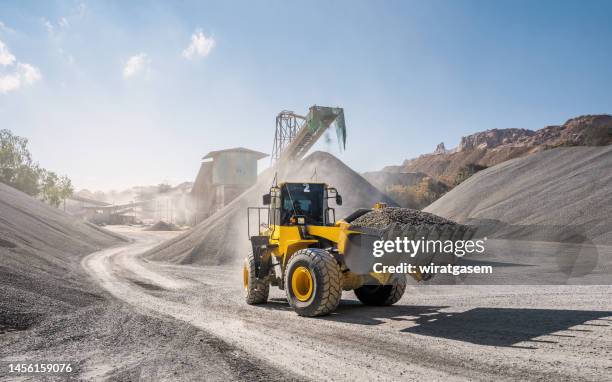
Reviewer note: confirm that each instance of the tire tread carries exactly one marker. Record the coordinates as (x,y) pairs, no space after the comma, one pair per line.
(258,290)
(331,282)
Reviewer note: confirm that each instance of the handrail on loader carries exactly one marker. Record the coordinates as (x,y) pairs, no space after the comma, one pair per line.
(259,221)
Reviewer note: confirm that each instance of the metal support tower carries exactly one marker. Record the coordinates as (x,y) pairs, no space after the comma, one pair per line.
(287,125)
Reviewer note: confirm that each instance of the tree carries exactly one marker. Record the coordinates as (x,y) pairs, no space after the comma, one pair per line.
(50,190)
(16,167)
(18,170)
(65,187)
(27,179)
(55,189)
(164,187)
(467,171)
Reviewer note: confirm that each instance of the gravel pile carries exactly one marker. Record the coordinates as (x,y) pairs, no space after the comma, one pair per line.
(563,194)
(391,223)
(383,218)
(110,341)
(41,248)
(163,226)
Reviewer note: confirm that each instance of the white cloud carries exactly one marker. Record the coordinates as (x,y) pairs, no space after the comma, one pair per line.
(28,73)
(15,74)
(9,83)
(6,57)
(48,25)
(63,23)
(23,74)
(5,28)
(200,45)
(81,10)
(136,64)
(56,28)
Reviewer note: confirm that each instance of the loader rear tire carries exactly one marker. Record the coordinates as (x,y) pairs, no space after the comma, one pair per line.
(381,295)
(256,291)
(313,282)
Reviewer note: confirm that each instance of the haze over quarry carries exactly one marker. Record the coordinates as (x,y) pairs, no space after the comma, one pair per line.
(116,84)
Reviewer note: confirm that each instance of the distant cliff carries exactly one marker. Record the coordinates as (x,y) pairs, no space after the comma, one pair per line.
(587,130)
(488,148)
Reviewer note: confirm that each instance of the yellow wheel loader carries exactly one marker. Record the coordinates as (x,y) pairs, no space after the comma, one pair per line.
(302,249)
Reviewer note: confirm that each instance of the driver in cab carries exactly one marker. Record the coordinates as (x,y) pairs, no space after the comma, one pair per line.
(298,213)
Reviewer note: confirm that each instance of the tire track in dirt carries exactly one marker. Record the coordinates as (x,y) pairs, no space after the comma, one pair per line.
(357,342)
(105,267)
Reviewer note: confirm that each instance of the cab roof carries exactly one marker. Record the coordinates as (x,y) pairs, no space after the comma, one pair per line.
(284,183)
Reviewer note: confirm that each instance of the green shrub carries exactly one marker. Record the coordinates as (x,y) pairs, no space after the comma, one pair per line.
(467,171)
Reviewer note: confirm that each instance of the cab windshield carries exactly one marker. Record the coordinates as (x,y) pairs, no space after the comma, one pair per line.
(303,200)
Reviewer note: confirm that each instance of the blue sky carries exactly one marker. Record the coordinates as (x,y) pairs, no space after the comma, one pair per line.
(116,94)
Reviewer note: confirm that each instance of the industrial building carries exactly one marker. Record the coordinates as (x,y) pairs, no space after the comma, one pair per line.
(223,175)
(112,214)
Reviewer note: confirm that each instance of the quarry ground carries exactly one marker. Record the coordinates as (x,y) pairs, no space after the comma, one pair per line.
(452,332)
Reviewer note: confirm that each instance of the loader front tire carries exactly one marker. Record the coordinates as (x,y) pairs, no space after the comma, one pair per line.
(256,291)
(313,282)
(381,295)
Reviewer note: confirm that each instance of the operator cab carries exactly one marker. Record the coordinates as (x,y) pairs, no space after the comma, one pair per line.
(301,204)
(303,201)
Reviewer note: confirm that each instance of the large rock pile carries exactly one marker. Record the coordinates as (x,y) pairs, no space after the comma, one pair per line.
(163,226)
(563,194)
(382,218)
(41,249)
(390,224)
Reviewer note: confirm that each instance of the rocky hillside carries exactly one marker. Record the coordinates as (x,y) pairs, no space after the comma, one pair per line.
(491,147)
(488,148)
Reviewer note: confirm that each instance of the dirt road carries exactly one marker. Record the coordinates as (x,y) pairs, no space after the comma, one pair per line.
(436,332)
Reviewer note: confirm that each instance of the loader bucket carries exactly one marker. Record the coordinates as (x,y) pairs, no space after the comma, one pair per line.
(359,252)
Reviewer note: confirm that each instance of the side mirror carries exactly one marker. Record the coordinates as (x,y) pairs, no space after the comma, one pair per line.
(267,199)
(338,200)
